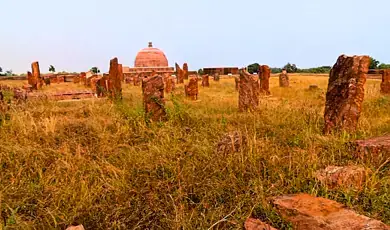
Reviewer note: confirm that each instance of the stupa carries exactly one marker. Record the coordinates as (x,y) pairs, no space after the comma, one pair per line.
(149,60)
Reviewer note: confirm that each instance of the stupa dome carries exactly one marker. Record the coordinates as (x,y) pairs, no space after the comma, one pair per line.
(150,57)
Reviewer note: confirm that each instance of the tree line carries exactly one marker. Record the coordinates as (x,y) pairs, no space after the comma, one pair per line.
(292,68)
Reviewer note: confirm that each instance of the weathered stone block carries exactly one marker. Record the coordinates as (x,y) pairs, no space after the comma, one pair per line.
(343,177)
(153,97)
(307,212)
(36,75)
(249,92)
(254,224)
(231,142)
(264,76)
(179,74)
(385,85)
(345,93)
(374,150)
(169,84)
(185,71)
(205,81)
(284,80)
(115,79)
(191,90)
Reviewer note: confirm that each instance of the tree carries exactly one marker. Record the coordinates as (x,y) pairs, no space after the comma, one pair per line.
(200,71)
(95,70)
(291,68)
(384,66)
(52,69)
(253,68)
(9,72)
(1,69)
(373,63)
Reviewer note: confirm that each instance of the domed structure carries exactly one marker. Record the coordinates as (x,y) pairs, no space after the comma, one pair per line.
(149,61)
(151,57)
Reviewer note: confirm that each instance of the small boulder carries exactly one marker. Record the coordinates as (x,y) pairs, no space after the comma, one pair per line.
(255,224)
(231,142)
(344,177)
(78,227)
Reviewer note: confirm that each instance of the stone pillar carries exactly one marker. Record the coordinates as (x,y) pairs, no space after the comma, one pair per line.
(153,97)
(120,72)
(264,75)
(179,74)
(115,79)
(205,81)
(191,90)
(216,77)
(36,76)
(185,71)
(248,99)
(345,93)
(169,84)
(385,85)
(30,79)
(284,80)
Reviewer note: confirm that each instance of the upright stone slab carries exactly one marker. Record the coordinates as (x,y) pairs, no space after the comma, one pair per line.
(120,72)
(284,80)
(248,99)
(30,79)
(179,74)
(315,213)
(115,79)
(345,93)
(36,75)
(237,81)
(153,97)
(205,81)
(169,84)
(185,70)
(191,89)
(216,77)
(264,76)
(385,85)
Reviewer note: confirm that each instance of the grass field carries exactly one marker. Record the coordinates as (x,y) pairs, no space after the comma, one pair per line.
(98,163)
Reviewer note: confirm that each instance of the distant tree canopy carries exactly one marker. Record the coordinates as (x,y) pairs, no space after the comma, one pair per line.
(52,69)
(1,69)
(9,73)
(95,70)
(291,68)
(200,71)
(384,66)
(374,63)
(253,68)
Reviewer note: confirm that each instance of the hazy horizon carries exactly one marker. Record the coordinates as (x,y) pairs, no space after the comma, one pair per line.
(76,35)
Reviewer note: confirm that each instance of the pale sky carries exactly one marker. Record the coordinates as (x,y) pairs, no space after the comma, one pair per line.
(74,35)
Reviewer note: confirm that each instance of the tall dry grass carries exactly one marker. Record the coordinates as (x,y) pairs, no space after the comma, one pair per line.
(99,164)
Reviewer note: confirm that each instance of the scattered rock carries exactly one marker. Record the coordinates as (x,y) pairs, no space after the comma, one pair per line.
(153,96)
(231,142)
(284,80)
(345,93)
(264,75)
(375,150)
(342,177)
(255,224)
(307,212)
(249,92)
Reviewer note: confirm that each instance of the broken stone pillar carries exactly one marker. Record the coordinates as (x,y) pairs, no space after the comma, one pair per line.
(179,74)
(115,79)
(36,76)
(385,85)
(345,93)
(191,90)
(248,98)
(120,72)
(30,79)
(153,97)
(205,81)
(216,77)
(264,76)
(185,71)
(315,213)
(335,177)
(284,80)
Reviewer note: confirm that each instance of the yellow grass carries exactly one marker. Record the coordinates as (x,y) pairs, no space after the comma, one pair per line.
(98,163)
